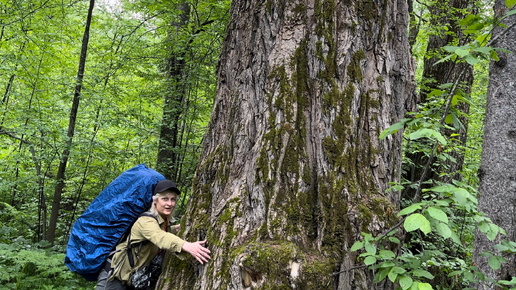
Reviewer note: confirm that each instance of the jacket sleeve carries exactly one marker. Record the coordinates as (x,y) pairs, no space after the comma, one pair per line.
(149,229)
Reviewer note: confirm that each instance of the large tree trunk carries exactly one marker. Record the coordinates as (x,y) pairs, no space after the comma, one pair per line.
(60,177)
(292,169)
(497,172)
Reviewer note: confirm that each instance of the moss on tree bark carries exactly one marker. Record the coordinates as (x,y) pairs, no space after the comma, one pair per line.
(292,169)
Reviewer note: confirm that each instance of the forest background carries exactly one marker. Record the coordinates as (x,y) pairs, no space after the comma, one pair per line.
(145,95)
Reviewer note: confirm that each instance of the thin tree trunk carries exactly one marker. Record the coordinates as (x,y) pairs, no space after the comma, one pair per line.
(435,75)
(292,169)
(169,147)
(60,177)
(497,171)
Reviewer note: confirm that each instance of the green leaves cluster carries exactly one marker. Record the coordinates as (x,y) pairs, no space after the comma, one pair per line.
(35,266)
(445,213)
(402,270)
(430,217)
(121,106)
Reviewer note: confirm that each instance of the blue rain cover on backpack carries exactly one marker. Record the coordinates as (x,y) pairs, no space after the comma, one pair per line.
(97,231)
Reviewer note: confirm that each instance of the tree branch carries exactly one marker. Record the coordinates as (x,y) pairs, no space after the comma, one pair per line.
(10,134)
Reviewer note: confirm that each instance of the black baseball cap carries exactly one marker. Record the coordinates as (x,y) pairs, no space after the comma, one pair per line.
(166,185)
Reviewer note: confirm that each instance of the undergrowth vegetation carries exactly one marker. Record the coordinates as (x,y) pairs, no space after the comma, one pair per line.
(25,264)
(439,209)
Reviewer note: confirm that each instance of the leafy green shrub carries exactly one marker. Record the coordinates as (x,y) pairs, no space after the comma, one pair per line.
(35,266)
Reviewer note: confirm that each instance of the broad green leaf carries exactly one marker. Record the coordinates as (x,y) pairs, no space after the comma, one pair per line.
(494,55)
(357,246)
(484,49)
(443,202)
(494,263)
(426,228)
(386,254)
(439,137)
(370,260)
(415,286)
(486,254)
(391,130)
(500,247)
(415,221)
(474,27)
(395,271)
(461,196)
(443,188)
(382,274)
(395,188)
(370,248)
(435,93)
(456,121)
(449,119)
(468,19)
(480,276)
(364,254)
(462,52)
(483,227)
(444,230)
(424,286)
(387,264)
(437,214)
(410,209)
(471,59)
(425,132)
(510,3)
(422,273)
(405,281)
(455,238)
(394,240)
(450,48)
(493,232)
(512,282)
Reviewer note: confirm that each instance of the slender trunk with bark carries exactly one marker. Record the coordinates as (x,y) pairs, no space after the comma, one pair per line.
(497,171)
(169,143)
(447,14)
(60,177)
(292,169)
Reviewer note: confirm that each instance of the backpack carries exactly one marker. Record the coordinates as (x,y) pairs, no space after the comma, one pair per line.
(109,216)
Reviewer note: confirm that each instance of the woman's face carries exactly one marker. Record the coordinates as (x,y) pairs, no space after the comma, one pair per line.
(166,203)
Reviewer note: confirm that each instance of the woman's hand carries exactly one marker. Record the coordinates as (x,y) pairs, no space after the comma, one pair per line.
(197,250)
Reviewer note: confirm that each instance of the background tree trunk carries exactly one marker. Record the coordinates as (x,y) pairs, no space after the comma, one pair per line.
(60,177)
(292,169)
(173,106)
(448,14)
(497,172)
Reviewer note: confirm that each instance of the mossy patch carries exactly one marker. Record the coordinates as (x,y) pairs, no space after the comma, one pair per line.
(354,68)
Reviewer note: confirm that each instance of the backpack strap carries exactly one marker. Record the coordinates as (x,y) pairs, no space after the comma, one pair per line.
(140,244)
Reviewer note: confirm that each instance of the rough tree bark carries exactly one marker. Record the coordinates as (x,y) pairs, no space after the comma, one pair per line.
(292,170)
(497,172)
(60,177)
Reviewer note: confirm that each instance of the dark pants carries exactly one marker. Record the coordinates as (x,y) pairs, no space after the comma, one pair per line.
(104,284)
(116,285)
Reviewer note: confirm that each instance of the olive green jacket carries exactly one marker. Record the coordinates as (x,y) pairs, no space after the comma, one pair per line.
(144,229)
